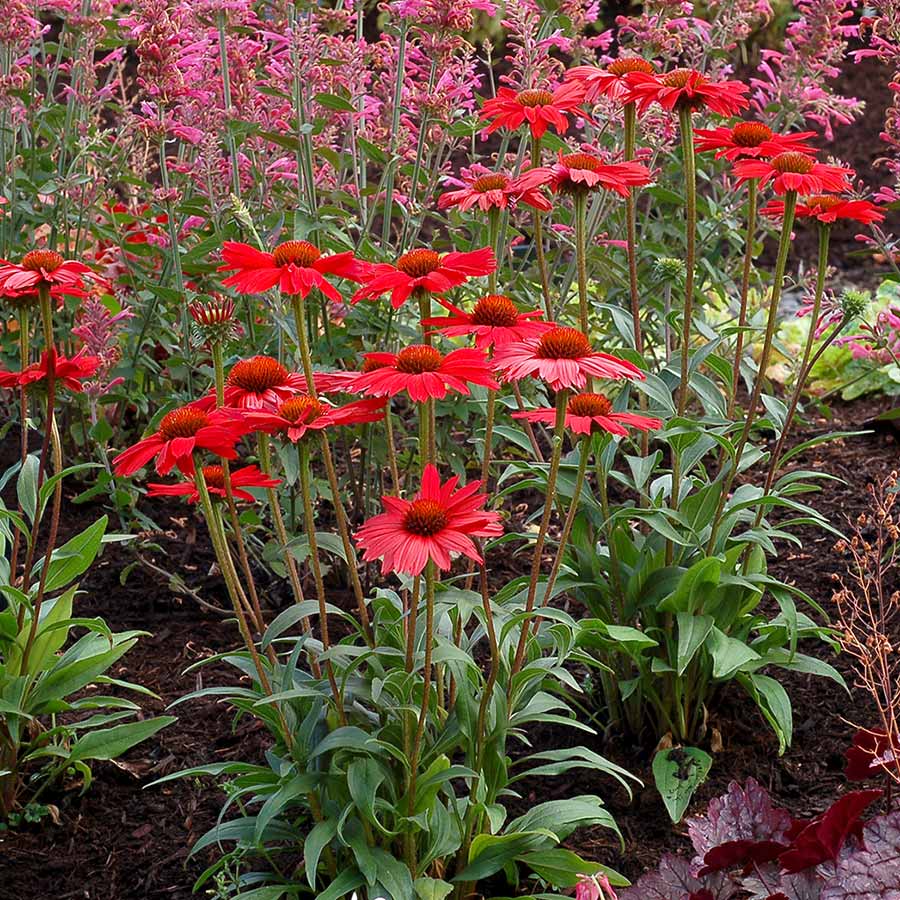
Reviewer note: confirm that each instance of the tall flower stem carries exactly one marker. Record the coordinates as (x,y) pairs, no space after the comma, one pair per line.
(540,540)
(581,260)
(752,194)
(690,189)
(430,579)
(339,512)
(807,358)
(630,112)
(229,573)
(631,231)
(226,98)
(24,357)
(237,531)
(316,566)
(265,466)
(568,524)
(784,246)
(539,237)
(493,243)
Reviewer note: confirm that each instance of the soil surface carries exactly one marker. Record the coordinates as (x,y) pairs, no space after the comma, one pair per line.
(121,841)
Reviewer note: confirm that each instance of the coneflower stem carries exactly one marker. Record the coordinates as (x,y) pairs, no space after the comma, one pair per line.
(581,260)
(423,713)
(494,240)
(752,193)
(558,430)
(784,246)
(690,190)
(539,237)
(310,524)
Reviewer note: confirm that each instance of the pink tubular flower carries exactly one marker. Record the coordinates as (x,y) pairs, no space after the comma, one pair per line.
(794,172)
(41,268)
(750,139)
(180,433)
(539,108)
(828,209)
(301,414)
(495,321)
(214,476)
(439,523)
(496,190)
(423,373)
(69,373)
(686,89)
(295,266)
(564,358)
(610,82)
(575,172)
(426,270)
(591,413)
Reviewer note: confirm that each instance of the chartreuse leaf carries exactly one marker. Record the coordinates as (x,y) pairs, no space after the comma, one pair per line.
(74,557)
(774,704)
(678,772)
(108,743)
(489,853)
(563,869)
(432,889)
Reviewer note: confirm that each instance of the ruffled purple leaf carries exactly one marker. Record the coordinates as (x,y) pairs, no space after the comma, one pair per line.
(873,871)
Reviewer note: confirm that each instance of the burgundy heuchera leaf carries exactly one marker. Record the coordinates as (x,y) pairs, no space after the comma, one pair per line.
(732,854)
(872,872)
(872,753)
(822,838)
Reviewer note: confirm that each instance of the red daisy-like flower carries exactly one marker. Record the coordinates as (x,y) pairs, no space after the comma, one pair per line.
(302,413)
(750,139)
(610,82)
(426,270)
(423,373)
(181,432)
(496,190)
(41,268)
(495,321)
(295,266)
(260,382)
(540,108)
(576,172)
(214,476)
(439,523)
(686,89)
(828,209)
(564,358)
(68,373)
(794,172)
(590,413)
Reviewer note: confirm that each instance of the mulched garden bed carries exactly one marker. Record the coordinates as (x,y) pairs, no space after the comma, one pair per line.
(120,841)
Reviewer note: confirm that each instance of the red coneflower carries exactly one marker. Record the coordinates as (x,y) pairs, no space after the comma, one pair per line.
(496,190)
(260,382)
(423,373)
(302,413)
(686,89)
(610,82)
(828,208)
(538,107)
(39,268)
(427,270)
(295,266)
(438,524)
(750,139)
(180,433)
(590,413)
(214,476)
(575,172)
(68,373)
(495,321)
(564,358)
(794,172)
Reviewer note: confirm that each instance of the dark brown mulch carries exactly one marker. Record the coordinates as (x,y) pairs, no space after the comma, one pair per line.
(121,841)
